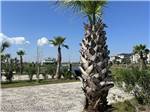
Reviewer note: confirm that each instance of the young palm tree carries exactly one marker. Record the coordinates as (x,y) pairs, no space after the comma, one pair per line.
(58,42)
(96,76)
(142,51)
(21,53)
(4,46)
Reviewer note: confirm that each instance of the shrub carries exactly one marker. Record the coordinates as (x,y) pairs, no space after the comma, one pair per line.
(134,81)
(9,75)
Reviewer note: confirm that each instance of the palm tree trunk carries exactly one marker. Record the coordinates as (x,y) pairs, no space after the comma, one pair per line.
(58,75)
(94,67)
(21,65)
(38,72)
(7,63)
(142,62)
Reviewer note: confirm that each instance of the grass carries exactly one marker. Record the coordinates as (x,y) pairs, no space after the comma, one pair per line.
(126,106)
(130,106)
(22,83)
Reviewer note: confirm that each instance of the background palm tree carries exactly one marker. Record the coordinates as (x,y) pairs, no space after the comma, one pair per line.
(94,56)
(4,46)
(58,42)
(21,53)
(142,51)
(7,59)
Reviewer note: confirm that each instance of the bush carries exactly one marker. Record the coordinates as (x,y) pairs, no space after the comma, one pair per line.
(134,81)
(9,75)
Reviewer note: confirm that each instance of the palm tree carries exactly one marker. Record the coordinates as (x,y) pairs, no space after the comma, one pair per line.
(96,76)
(58,42)
(21,53)
(4,46)
(142,51)
(7,59)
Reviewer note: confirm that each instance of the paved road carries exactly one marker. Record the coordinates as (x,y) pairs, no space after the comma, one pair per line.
(66,97)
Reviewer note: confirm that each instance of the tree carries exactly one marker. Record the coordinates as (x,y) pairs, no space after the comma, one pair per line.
(16,65)
(31,70)
(96,76)
(21,53)
(7,60)
(142,51)
(58,42)
(4,46)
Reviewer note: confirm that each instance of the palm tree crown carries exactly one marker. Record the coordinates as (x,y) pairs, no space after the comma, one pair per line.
(21,52)
(58,41)
(140,49)
(90,9)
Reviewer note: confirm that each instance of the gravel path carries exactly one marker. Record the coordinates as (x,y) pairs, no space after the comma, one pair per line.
(64,97)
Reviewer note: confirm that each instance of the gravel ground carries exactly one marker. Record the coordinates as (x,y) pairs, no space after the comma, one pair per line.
(64,97)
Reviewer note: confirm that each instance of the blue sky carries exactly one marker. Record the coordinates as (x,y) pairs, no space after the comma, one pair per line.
(128,24)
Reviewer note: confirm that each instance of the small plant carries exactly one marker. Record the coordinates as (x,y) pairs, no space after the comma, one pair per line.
(66,73)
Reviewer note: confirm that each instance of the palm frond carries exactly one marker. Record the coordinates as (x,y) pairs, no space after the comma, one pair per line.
(21,52)
(4,46)
(57,41)
(66,46)
(53,42)
(140,49)
(86,7)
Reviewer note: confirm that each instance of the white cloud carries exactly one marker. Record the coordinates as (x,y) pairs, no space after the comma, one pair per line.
(19,40)
(13,40)
(42,41)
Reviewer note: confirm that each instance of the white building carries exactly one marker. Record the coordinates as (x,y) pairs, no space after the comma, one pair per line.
(120,57)
(112,58)
(148,58)
(136,57)
(48,61)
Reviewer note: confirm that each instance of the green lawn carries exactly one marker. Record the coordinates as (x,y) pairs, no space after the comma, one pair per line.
(22,83)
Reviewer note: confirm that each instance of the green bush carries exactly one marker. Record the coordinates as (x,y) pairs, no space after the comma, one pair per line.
(66,74)
(135,81)
(9,76)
